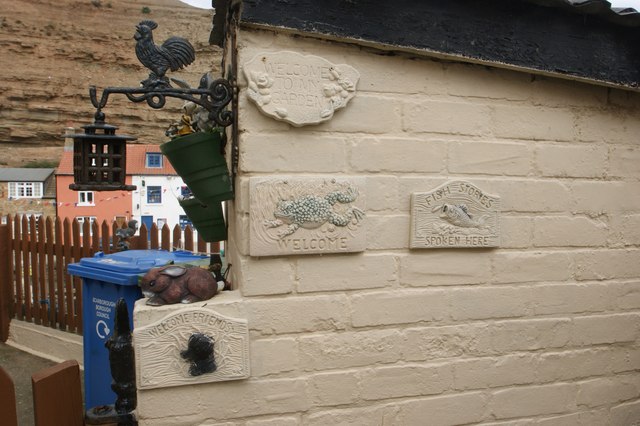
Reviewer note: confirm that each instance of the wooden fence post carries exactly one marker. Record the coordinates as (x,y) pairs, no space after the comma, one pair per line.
(57,395)
(6,295)
(8,412)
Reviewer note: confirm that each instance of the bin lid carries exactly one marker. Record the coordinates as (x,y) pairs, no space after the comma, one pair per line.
(125,267)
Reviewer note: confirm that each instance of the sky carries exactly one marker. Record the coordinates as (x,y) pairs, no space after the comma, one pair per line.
(206,4)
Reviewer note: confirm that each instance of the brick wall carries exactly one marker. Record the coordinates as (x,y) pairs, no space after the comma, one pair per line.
(540,331)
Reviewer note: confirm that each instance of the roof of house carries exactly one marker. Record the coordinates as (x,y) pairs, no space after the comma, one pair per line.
(585,40)
(136,162)
(24,174)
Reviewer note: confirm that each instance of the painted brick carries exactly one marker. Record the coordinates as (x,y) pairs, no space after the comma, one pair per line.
(598,197)
(598,417)
(571,160)
(445,267)
(296,152)
(627,295)
(335,388)
(580,364)
(382,232)
(280,272)
(604,391)
(382,193)
(533,123)
(400,155)
(350,349)
(462,80)
(494,158)
(347,272)
(602,329)
(533,400)
(489,302)
(297,314)
(624,161)
(373,415)
(430,343)
(456,118)
(529,334)
(401,307)
(562,231)
(235,399)
(532,196)
(626,414)
(445,410)
(570,298)
(273,356)
(607,264)
(560,92)
(416,76)
(617,126)
(520,267)
(250,119)
(366,113)
(625,230)
(279,421)
(515,231)
(406,380)
(494,372)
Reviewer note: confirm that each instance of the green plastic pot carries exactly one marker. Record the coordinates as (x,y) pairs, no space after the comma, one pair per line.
(207,219)
(198,160)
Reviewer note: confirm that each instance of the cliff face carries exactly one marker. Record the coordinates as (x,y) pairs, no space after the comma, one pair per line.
(53,50)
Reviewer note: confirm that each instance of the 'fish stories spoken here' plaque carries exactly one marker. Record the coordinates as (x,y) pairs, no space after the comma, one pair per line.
(306,215)
(299,89)
(456,214)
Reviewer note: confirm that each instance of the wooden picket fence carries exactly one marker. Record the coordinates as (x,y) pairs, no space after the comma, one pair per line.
(34,254)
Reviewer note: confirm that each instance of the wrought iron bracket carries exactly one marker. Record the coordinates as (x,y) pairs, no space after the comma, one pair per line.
(214,98)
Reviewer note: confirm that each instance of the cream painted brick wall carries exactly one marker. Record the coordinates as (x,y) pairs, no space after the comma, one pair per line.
(542,330)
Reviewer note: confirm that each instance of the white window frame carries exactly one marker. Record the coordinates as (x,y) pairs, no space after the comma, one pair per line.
(89,198)
(154,155)
(22,190)
(81,220)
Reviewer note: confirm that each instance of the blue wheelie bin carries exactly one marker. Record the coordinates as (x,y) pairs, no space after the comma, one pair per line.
(106,279)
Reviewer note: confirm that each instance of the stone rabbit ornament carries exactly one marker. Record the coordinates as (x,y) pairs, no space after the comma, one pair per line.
(178,284)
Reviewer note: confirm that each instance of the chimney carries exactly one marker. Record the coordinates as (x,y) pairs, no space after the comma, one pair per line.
(68,141)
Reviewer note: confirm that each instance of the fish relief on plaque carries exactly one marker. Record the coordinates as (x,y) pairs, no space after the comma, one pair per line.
(292,215)
(456,214)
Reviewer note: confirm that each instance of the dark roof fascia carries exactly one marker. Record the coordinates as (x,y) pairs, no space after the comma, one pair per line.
(578,39)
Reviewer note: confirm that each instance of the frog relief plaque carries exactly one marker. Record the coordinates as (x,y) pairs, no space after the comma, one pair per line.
(291,215)
(456,214)
(299,89)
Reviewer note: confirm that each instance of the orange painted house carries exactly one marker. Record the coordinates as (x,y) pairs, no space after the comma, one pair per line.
(142,161)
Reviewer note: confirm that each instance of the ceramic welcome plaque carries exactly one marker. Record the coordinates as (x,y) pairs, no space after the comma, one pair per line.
(299,89)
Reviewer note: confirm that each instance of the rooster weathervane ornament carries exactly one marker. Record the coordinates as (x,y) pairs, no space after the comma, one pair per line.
(172,55)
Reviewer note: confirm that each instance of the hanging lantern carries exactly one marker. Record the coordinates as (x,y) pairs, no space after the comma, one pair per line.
(100,158)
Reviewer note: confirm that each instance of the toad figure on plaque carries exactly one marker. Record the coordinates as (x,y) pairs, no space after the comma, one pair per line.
(306,215)
(456,214)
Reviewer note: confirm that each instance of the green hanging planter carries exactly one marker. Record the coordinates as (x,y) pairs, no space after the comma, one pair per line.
(207,219)
(198,160)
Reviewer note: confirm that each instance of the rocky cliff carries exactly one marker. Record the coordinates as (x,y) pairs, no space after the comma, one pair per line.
(53,50)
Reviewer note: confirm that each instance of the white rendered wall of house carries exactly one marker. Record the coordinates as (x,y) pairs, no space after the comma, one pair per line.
(168,209)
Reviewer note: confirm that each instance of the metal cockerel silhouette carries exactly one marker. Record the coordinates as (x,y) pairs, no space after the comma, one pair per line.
(175,53)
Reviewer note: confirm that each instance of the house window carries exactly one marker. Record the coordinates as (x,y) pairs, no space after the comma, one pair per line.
(183,220)
(161,222)
(154,194)
(25,189)
(85,198)
(154,160)
(82,219)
